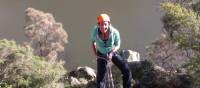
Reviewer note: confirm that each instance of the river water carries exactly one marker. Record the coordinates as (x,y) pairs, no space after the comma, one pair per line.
(138,22)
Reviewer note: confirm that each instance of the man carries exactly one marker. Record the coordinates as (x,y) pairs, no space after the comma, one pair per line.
(105,42)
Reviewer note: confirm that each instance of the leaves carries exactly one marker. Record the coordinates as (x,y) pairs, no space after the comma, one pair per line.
(19,67)
(182,24)
(180,45)
(47,36)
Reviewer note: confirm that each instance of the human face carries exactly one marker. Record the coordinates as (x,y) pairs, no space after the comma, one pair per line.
(104,26)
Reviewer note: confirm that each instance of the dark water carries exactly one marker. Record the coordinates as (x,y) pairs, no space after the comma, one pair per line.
(137,20)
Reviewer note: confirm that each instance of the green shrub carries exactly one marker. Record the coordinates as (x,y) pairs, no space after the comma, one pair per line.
(184,26)
(20,68)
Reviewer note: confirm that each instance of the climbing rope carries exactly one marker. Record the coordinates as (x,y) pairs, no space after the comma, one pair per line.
(108,75)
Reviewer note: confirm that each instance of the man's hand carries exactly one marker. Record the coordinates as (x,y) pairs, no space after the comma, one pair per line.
(110,55)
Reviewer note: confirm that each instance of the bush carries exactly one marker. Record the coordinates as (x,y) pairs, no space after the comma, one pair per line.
(20,68)
(47,36)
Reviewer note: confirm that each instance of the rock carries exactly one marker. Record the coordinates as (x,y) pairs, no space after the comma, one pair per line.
(139,68)
(81,76)
(86,72)
(130,55)
(74,81)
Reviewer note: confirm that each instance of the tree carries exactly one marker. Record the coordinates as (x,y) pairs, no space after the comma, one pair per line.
(180,40)
(47,36)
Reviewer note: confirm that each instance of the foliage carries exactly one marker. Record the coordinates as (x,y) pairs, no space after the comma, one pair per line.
(183,25)
(20,68)
(187,34)
(47,36)
(194,68)
(179,43)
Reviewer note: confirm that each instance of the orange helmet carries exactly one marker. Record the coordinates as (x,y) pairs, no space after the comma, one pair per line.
(103,17)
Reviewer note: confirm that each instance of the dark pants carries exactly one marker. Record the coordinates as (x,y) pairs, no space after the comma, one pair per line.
(121,64)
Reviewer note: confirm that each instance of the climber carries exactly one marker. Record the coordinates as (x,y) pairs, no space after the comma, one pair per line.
(105,43)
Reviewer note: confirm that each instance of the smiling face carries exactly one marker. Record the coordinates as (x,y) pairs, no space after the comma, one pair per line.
(104,26)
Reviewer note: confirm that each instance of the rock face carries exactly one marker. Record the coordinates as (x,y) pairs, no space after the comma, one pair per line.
(157,79)
(145,75)
(148,75)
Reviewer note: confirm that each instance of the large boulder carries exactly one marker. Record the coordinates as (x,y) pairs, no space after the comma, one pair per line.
(86,72)
(138,68)
(129,55)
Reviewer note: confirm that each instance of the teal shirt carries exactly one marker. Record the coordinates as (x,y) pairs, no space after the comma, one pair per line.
(106,46)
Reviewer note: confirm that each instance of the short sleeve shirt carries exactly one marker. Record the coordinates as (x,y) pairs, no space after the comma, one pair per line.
(105,46)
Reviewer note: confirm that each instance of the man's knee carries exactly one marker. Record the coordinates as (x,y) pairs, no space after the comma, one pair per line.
(126,72)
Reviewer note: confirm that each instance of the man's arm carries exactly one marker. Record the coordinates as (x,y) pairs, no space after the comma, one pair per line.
(92,36)
(117,42)
(115,48)
(94,48)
